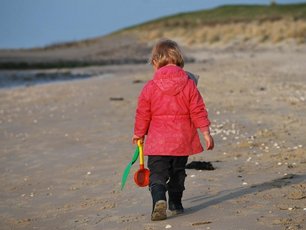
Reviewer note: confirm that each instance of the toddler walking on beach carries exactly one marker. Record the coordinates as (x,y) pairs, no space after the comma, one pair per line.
(169,111)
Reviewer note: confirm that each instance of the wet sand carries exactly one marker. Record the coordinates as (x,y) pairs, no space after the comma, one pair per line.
(65,145)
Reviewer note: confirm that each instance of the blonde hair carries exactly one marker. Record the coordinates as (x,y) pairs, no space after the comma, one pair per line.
(166,52)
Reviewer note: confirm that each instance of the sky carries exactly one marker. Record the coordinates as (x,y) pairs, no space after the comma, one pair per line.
(37,23)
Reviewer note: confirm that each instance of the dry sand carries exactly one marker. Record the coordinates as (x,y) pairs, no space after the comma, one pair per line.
(65,145)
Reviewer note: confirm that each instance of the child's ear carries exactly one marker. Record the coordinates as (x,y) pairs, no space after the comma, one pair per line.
(155,66)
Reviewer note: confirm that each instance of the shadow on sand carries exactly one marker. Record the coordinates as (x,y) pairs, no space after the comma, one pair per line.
(235,193)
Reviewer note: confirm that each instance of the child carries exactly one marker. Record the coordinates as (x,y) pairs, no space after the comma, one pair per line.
(170,109)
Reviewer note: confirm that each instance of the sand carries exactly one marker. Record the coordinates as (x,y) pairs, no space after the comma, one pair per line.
(65,145)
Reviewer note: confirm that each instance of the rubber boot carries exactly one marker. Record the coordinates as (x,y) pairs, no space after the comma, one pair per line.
(158,193)
(175,202)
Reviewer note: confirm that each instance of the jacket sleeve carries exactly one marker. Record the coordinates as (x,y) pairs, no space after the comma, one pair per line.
(198,112)
(143,113)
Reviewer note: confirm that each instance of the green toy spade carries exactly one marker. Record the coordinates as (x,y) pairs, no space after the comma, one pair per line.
(128,167)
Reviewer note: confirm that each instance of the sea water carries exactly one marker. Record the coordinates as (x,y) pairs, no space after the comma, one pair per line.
(12,79)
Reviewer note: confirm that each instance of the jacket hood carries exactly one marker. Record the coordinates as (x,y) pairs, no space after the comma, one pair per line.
(170,79)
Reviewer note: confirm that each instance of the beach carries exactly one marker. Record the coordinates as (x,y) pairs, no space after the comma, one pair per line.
(65,145)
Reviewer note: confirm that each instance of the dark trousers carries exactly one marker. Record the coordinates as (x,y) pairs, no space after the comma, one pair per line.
(168,171)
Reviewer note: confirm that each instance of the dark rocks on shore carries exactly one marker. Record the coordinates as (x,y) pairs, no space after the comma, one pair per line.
(200,165)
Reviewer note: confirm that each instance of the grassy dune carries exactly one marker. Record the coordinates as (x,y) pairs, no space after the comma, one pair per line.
(239,23)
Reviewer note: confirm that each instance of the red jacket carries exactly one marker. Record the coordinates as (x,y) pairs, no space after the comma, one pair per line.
(169,110)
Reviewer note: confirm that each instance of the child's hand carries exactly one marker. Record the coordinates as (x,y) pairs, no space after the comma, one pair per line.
(209,141)
(136,138)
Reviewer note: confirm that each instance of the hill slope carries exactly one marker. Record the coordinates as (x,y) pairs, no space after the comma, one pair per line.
(221,27)
(226,24)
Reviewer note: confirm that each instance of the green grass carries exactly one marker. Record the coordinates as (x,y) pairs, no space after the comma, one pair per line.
(229,14)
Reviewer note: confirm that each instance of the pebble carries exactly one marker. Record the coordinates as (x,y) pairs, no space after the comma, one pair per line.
(244,183)
(192,175)
(168,226)
(88,173)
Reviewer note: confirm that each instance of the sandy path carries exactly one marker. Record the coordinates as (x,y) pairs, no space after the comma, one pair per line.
(65,145)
